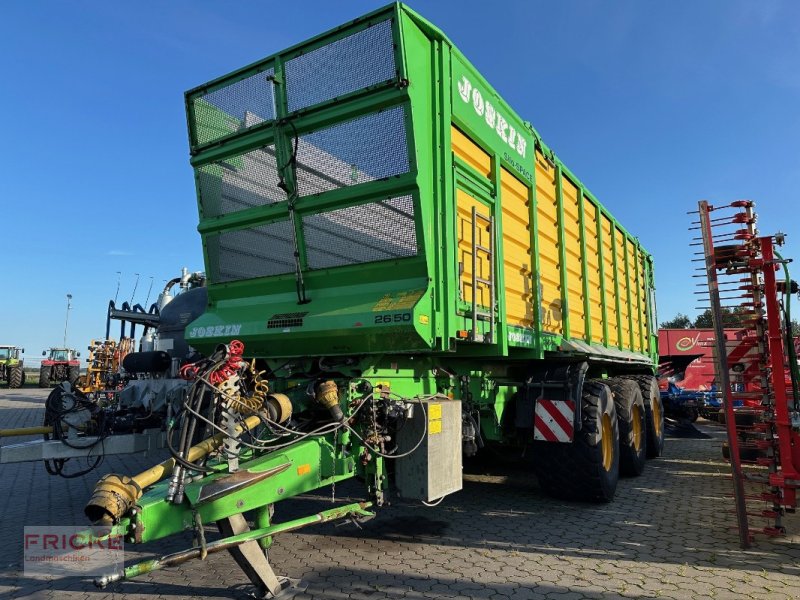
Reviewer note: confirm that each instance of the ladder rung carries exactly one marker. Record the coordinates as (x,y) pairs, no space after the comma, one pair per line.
(483,281)
(483,248)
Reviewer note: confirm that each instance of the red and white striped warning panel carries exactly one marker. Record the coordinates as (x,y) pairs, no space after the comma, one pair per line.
(554,420)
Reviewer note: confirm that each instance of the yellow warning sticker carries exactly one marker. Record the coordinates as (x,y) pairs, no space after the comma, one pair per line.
(434,411)
(434,427)
(398,301)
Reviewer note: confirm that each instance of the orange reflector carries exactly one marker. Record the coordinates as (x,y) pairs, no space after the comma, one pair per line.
(304,469)
(462,334)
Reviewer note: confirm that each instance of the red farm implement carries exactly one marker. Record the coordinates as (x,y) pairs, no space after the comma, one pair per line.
(764,439)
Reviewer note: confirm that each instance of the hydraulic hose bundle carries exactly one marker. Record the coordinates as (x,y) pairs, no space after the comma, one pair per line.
(61,406)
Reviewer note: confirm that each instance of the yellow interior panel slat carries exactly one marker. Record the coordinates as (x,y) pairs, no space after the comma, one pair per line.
(593,268)
(622,278)
(547,232)
(608,277)
(644,296)
(572,240)
(464,203)
(636,304)
(517,265)
(468,151)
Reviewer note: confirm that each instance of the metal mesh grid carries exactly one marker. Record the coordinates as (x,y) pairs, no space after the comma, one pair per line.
(346,65)
(281,320)
(234,107)
(239,182)
(363,149)
(359,234)
(246,253)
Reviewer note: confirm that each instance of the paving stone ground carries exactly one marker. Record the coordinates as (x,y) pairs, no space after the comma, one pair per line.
(668,534)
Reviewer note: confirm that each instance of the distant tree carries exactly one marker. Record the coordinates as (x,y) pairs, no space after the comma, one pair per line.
(703,320)
(795,328)
(730,318)
(680,321)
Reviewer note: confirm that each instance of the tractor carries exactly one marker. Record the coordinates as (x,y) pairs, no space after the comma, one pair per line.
(11,369)
(60,364)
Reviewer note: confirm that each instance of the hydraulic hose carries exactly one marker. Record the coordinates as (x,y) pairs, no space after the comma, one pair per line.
(794,372)
(114,495)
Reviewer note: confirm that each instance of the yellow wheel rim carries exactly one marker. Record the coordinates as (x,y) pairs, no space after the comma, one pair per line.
(637,428)
(607,443)
(656,410)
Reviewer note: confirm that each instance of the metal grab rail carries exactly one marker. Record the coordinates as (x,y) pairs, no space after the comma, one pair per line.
(489,252)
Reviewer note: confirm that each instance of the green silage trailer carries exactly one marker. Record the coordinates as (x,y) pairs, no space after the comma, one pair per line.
(367,194)
(415,274)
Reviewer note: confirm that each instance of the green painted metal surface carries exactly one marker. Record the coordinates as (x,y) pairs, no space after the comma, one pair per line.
(307,173)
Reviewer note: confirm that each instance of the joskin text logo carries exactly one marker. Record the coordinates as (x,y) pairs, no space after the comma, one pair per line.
(215,331)
(484,108)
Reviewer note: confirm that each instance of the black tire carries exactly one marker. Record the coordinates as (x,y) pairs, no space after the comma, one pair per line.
(588,468)
(15,377)
(654,414)
(44,377)
(73,374)
(632,429)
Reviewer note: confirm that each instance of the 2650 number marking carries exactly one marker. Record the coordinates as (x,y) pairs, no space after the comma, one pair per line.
(388,318)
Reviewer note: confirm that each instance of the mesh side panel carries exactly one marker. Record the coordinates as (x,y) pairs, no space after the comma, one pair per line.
(359,234)
(247,253)
(346,65)
(239,182)
(363,149)
(235,107)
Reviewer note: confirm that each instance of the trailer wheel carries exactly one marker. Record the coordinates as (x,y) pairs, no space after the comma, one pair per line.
(632,429)
(15,377)
(44,377)
(654,414)
(588,468)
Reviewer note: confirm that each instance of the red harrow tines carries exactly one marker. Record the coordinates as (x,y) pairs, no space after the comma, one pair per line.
(739,268)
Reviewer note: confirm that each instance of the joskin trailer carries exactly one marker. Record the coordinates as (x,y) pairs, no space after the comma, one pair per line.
(399,270)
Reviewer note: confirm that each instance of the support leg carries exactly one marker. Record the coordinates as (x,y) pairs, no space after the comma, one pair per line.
(250,556)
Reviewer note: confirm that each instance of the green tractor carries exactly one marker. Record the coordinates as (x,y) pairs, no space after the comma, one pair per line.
(11,368)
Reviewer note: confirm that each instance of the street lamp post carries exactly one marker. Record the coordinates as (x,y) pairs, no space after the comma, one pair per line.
(66,322)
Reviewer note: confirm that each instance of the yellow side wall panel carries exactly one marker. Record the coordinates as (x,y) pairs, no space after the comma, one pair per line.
(468,151)
(517,265)
(572,242)
(608,277)
(593,269)
(464,203)
(547,235)
(622,279)
(518,260)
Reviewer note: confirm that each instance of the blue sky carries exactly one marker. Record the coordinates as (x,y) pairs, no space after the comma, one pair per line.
(654,105)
